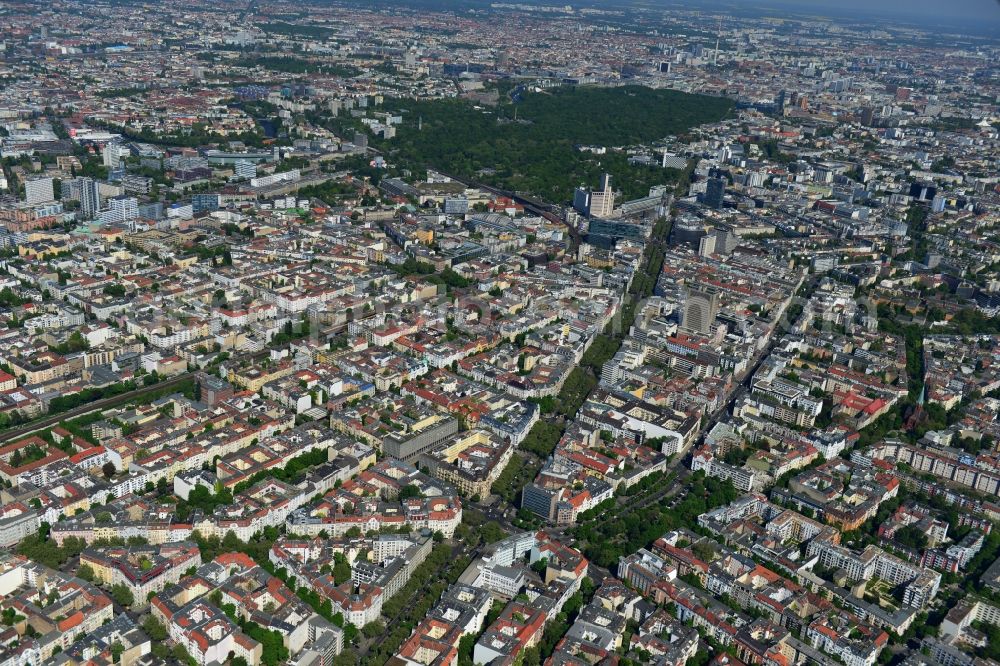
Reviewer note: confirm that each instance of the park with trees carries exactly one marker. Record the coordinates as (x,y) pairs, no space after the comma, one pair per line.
(534,145)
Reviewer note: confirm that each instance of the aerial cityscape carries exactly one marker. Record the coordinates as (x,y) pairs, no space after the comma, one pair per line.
(507,333)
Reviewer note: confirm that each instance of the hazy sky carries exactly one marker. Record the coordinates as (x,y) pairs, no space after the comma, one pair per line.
(980,11)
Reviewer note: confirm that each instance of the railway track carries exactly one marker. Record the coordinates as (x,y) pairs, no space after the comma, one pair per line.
(533,206)
(97,405)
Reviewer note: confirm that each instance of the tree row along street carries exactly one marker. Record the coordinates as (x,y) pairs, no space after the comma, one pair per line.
(545,435)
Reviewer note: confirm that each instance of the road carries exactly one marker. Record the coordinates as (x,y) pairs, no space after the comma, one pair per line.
(676,489)
(459,550)
(744,385)
(502,515)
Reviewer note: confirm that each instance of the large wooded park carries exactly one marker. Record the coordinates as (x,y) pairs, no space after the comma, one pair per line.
(531,145)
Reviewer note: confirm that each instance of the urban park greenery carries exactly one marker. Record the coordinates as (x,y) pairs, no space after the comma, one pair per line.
(538,152)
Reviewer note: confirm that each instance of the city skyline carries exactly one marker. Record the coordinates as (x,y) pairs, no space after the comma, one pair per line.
(499,333)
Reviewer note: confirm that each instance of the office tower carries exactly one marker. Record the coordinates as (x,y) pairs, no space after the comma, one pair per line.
(823,263)
(938,203)
(245,169)
(581,200)
(135,184)
(205,203)
(69,190)
(39,191)
(687,231)
(923,191)
(754,179)
(113,154)
(706,246)
(602,201)
(90,198)
(726,240)
(151,211)
(671,161)
(714,192)
(868,116)
(181,211)
(700,309)
(123,209)
(604,233)
(456,206)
